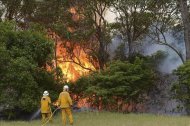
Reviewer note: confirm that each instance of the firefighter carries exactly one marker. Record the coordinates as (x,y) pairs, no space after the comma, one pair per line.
(65,104)
(45,107)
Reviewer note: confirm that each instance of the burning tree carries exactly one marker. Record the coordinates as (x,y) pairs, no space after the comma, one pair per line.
(82,46)
(94,13)
(73,59)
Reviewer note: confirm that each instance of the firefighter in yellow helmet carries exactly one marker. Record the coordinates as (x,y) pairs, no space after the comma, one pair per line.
(45,107)
(65,104)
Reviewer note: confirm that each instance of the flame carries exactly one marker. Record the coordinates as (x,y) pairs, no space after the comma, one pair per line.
(72,59)
(75,63)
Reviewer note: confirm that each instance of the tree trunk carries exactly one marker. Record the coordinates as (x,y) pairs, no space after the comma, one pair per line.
(186,23)
(101,51)
(130,47)
(101,56)
(55,56)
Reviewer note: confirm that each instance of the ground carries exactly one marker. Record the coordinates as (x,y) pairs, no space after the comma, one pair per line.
(111,119)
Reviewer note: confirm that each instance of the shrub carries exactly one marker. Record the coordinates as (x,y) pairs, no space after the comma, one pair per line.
(181,88)
(24,55)
(120,80)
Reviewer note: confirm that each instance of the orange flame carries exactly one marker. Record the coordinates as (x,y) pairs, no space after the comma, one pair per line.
(72,59)
(75,63)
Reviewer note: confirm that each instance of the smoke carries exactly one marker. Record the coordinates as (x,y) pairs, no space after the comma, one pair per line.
(116,41)
(160,99)
(147,47)
(172,61)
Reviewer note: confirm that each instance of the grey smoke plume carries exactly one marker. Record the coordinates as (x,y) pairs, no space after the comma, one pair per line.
(148,47)
(116,41)
(172,61)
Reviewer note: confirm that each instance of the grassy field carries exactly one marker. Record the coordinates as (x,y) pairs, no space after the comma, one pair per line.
(111,119)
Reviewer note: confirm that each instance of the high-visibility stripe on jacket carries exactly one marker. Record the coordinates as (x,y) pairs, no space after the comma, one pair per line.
(64,100)
(45,104)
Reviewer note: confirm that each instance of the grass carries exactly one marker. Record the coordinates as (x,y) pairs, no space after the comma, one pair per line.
(111,119)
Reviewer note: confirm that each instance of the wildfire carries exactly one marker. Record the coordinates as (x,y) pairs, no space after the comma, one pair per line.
(73,60)
(74,63)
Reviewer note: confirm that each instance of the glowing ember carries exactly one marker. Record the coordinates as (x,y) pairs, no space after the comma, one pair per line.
(56,103)
(83,103)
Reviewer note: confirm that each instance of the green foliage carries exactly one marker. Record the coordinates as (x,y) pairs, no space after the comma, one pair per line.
(124,80)
(181,89)
(152,61)
(24,55)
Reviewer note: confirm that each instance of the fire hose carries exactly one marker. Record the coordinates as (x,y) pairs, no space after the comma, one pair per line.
(50,116)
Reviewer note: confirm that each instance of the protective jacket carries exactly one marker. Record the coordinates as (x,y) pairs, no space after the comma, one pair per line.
(64,100)
(45,104)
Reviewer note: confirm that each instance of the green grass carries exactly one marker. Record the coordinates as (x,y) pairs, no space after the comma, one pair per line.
(111,119)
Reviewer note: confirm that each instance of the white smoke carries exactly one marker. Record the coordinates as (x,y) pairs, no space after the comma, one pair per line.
(172,61)
(116,41)
(148,47)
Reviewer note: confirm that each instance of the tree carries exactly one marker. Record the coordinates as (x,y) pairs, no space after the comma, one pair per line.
(181,88)
(183,7)
(18,9)
(133,21)
(166,21)
(96,30)
(24,76)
